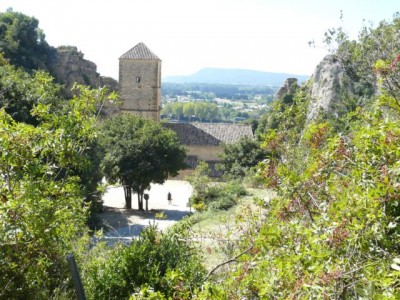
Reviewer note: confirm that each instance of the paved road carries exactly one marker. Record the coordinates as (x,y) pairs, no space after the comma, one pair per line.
(125,224)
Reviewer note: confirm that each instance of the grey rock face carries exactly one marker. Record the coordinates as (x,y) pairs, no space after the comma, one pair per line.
(330,84)
(68,66)
(109,82)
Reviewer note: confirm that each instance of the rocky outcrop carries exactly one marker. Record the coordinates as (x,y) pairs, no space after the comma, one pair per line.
(289,87)
(68,66)
(329,86)
(109,82)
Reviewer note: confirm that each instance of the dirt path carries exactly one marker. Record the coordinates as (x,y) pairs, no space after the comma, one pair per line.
(120,223)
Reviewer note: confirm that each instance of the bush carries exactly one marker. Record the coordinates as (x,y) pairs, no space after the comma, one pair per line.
(218,196)
(200,206)
(222,204)
(42,212)
(162,263)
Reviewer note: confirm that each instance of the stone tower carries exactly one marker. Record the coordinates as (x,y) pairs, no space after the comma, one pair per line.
(140,82)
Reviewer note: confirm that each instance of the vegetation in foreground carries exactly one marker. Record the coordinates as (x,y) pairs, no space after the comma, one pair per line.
(43,209)
(332,231)
(156,266)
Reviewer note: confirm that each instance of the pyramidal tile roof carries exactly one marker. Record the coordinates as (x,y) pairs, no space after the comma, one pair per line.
(140,52)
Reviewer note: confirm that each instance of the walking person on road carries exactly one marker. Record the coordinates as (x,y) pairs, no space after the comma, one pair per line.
(169,197)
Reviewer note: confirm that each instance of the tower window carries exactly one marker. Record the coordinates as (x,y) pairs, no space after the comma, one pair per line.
(137,79)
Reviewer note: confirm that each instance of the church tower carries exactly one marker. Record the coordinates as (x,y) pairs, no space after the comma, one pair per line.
(140,82)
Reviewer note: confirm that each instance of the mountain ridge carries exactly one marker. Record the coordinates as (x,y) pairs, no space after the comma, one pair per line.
(235,76)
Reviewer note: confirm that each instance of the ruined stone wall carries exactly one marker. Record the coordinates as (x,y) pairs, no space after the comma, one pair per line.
(140,87)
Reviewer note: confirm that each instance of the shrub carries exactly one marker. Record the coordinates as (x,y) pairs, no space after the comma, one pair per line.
(157,262)
(218,196)
(200,206)
(222,204)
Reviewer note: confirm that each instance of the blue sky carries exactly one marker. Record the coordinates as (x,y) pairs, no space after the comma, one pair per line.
(188,35)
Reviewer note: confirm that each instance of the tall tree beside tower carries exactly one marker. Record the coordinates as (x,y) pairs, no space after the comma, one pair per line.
(139,152)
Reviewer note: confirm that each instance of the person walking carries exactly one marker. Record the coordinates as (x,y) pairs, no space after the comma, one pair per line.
(169,197)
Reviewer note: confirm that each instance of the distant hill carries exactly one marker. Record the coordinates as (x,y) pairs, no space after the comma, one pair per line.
(235,76)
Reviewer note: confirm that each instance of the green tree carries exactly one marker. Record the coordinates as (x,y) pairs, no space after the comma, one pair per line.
(201,183)
(212,112)
(21,91)
(22,42)
(238,158)
(139,152)
(42,211)
(177,109)
(201,110)
(189,110)
(167,109)
(358,56)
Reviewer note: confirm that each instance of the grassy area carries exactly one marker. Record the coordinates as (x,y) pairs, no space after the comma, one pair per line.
(211,220)
(217,233)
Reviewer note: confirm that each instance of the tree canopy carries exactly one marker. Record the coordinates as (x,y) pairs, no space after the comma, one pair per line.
(238,158)
(201,111)
(139,152)
(42,209)
(22,42)
(20,92)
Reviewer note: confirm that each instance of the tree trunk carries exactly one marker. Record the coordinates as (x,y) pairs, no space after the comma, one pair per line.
(128,196)
(140,200)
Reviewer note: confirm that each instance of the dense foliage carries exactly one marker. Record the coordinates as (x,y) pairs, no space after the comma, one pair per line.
(139,152)
(332,232)
(239,158)
(21,91)
(192,111)
(42,212)
(22,42)
(358,57)
(42,203)
(164,266)
(213,195)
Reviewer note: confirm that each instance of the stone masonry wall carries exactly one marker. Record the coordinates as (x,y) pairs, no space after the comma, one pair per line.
(140,87)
